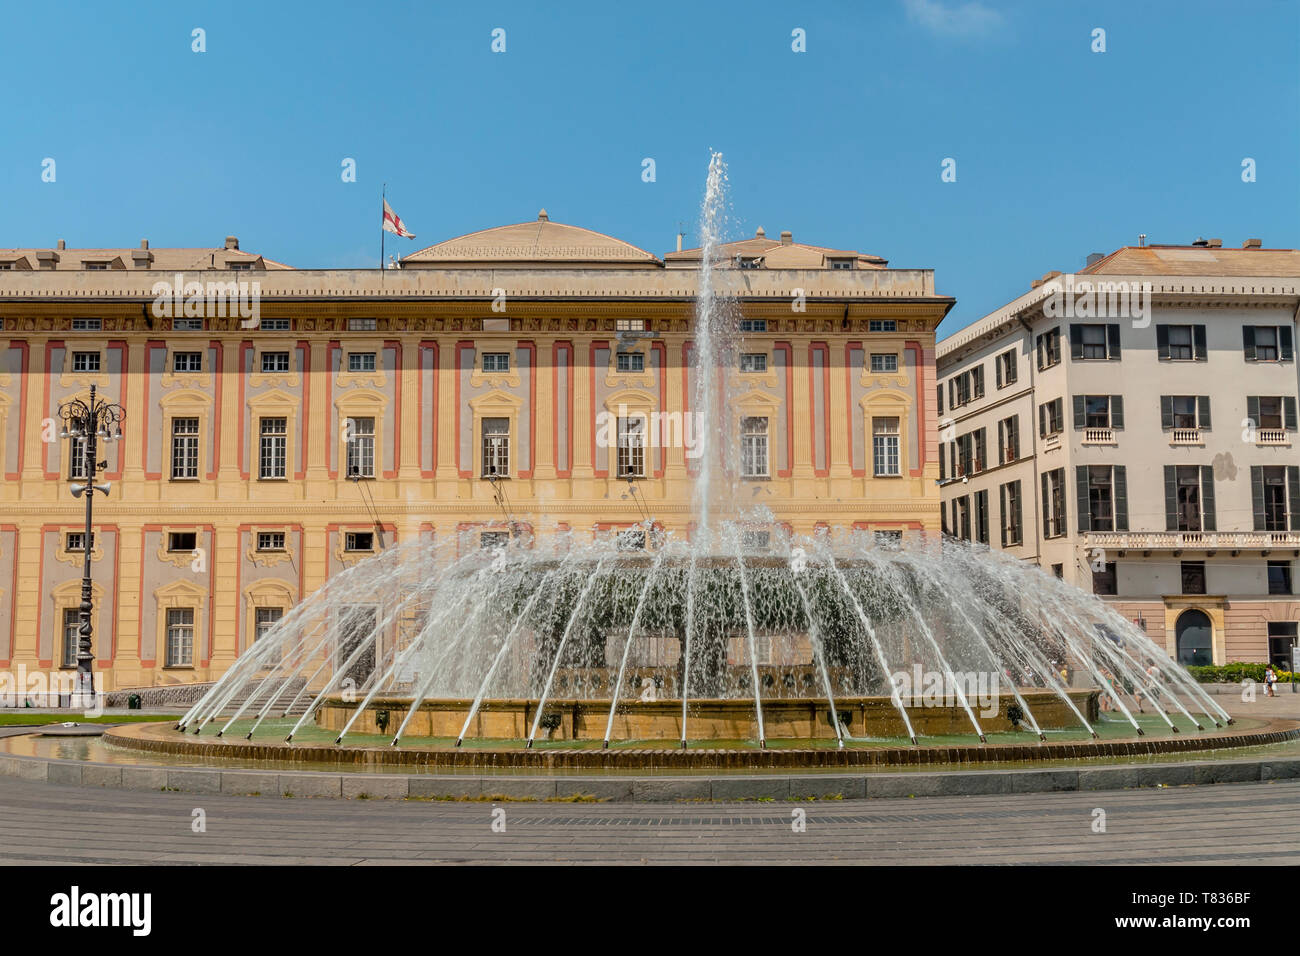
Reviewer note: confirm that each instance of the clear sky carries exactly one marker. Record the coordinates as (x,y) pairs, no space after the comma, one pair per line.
(1060,151)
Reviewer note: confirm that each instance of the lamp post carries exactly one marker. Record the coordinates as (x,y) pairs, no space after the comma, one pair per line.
(87,421)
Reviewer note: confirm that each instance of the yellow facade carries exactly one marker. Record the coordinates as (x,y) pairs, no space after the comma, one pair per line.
(428,398)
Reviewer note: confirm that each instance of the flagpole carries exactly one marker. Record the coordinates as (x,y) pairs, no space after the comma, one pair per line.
(383,198)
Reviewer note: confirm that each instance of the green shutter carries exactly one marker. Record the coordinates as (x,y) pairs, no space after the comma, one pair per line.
(1166,412)
(1120,487)
(1248,342)
(1198,338)
(1288,406)
(1081,497)
(1208,522)
(1117,412)
(1257,494)
(1019,513)
(1076,341)
(1112,342)
(1002,512)
(1162,341)
(1171,498)
(1080,407)
(1252,410)
(1046,508)
(1285,350)
(1293,495)
(1203,411)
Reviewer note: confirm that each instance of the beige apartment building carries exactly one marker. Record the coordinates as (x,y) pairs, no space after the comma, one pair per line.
(1132,428)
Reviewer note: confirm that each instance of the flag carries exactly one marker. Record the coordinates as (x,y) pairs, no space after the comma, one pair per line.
(393,223)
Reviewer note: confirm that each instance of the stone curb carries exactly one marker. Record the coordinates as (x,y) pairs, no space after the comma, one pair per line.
(665,789)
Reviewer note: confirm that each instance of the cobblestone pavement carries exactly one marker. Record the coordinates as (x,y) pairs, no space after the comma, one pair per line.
(1222,824)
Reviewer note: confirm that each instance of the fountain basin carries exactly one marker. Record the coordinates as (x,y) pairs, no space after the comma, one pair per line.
(707,718)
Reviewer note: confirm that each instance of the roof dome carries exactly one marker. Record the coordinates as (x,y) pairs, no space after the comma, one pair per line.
(538,242)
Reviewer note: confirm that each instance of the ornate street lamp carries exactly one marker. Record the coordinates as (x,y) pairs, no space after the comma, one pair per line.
(87,422)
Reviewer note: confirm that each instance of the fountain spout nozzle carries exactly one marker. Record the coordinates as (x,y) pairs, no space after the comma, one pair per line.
(458,741)
(983,739)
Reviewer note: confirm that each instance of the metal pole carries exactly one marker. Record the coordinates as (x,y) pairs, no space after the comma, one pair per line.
(85,653)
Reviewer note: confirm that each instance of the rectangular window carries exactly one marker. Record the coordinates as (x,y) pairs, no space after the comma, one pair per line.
(1282,636)
(1096,411)
(1011,514)
(87,325)
(631,362)
(71,635)
(275,362)
(1181,343)
(1092,342)
(361,361)
(1187,501)
(493,540)
(982,516)
(841,263)
(85,361)
(76,541)
(753,447)
(1101,502)
(1267,411)
(1193,575)
(1009,439)
(1279,577)
(187,325)
(884,447)
(1049,348)
(882,325)
(629,325)
(187,362)
(631,447)
(961,518)
(95,266)
(270,541)
(274,325)
(271,460)
(753,362)
(1054,503)
(753,325)
(1051,417)
(1181,411)
(265,618)
(185,448)
(1006,368)
(1104,581)
(363,325)
(1261,343)
(361,448)
(496,447)
(182,541)
(180,636)
(77,449)
(884,363)
(359,541)
(1269,485)
(751,540)
(496,361)
(631,539)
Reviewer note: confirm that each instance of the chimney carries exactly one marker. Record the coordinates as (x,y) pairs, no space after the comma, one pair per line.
(1252,243)
(542,216)
(1215,243)
(1200,242)
(759,233)
(1094,258)
(232,242)
(787,237)
(679,242)
(61,245)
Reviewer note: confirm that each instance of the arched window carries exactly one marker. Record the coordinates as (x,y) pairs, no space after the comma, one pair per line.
(1195,638)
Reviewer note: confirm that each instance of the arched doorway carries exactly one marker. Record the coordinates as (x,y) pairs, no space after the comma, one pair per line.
(1195,636)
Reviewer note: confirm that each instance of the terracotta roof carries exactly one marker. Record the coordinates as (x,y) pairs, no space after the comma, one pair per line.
(1196,261)
(538,241)
(779,254)
(156,259)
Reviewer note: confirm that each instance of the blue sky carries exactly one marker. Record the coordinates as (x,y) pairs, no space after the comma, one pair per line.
(1060,151)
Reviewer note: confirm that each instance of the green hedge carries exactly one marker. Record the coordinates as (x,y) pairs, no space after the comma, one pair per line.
(1235,673)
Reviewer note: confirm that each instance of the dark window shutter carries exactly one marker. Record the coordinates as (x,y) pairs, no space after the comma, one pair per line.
(1076,341)
(1203,411)
(1162,341)
(1002,442)
(1293,494)
(1288,410)
(943,455)
(997,370)
(1121,498)
(1002,512)
(1198,339)
(939,404)
(1257,494)
(1207,498)
(1081,497)
(1079,406)
(1248,342)
(1019,515)
(952,393)
(1166,412)
(1171,498)
(1284,347)
(1042,421)
(1047,508)
(1252,410)
(1112,341)
(1117,412)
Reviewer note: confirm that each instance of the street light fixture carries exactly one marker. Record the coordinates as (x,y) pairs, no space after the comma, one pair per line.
(87,421)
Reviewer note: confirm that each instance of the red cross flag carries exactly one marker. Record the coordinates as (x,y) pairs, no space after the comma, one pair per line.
(393,223)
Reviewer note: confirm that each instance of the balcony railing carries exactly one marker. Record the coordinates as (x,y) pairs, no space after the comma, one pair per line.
(1099,436)
(1272,436)
(1198,540)
(1186,436)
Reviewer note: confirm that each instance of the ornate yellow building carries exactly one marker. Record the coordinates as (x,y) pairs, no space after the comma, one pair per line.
(272,440)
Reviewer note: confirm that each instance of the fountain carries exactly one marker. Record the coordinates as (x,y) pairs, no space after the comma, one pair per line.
(730,636)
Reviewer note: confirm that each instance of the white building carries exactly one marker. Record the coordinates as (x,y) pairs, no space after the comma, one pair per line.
(1133,429)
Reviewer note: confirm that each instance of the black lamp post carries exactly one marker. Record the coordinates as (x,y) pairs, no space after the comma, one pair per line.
(88,421)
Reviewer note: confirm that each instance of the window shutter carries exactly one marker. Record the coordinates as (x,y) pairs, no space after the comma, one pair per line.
(1257,494)
(943,455)
(1166,412)
(997,370)
(1203,411)
(1171,498)
(1076,341)
(1120,482)
(1293,494)
(1285,349)
(1002,512)
(1047,509)
(1288,405)
(1002,442)
(1042,421)
(1019,512)
(1207,498)
(1248,342)
(1252,410)
(1112,342)
(939,397)
(1162,341)
(1117,412)
(1081,497)
(1079,405)
(1198,339)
